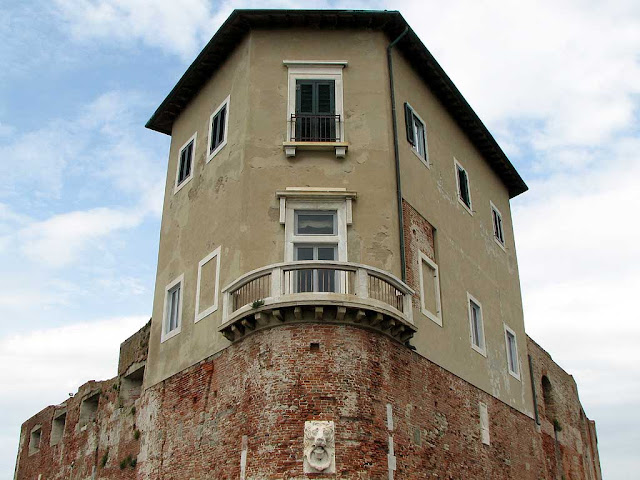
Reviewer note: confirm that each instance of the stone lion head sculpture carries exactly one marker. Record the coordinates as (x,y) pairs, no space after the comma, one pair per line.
(319,447)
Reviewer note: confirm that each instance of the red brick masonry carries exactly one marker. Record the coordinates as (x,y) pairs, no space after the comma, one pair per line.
(266,387)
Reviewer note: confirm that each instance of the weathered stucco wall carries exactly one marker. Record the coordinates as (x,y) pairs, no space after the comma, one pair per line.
(265,387)
(231,201)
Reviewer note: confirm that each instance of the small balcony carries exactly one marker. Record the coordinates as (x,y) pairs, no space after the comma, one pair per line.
(318,292)
(315,132)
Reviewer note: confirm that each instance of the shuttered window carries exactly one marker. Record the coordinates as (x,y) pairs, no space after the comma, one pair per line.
(416,133)
(217,129)
(316,120)
(463,185)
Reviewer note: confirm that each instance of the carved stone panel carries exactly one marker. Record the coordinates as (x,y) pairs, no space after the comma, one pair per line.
(319,447)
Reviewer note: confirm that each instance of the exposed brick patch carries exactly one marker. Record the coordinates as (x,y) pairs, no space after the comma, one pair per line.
(418,236)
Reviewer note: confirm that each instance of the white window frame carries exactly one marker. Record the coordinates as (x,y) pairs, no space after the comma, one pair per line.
(165,334)
(481,349)
(457,165)
(213,255)
(178,186)
(315,70)
(414,148)
(225,103)
(494,227)
(516,362)
(437,315)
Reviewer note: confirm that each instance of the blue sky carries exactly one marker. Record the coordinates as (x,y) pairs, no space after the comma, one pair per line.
(81,180)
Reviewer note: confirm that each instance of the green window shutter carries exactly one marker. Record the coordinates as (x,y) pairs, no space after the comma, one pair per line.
(325,98)
(408,117)
(305,96)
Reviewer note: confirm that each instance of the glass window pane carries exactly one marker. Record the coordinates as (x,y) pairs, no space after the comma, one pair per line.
(304,253)
(326,253)
(315,224)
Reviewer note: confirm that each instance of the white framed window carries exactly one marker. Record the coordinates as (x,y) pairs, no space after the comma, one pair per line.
(476,325)
(462,185)
(172,312)
(316,217)
(218,129)
(498,229)
(315,106)
(208,285)
(429,288)
(186,155)
(416,134)
(511,345)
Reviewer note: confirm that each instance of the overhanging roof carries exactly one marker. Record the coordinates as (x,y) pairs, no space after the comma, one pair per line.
(390,22)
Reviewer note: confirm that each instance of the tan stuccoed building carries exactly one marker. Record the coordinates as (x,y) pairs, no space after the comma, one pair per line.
(337,293)
(231,201)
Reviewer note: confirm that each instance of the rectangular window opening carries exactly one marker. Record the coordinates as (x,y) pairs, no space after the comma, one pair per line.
(131,385)
(463,186)
(57,428)
(89,409)
(498,232)
(218,125)
(512,352)
(476,325)
(416,133)
(34,439)
(186,157)
(315,118)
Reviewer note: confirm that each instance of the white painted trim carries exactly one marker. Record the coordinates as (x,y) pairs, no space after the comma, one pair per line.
(167,335)
(199,316)
(482,350)
(495,237)
(293,63)
(469,208)
(225,102)
(291,239)
(425,159)
(315,70)
(506,344)
(437,315)
(177,187)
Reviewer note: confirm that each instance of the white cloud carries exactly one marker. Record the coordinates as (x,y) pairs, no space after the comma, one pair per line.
(61,239)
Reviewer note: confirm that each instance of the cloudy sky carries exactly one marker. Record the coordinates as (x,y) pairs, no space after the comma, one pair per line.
(81,180)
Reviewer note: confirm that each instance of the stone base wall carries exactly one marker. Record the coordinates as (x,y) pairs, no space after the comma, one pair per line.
(265,387)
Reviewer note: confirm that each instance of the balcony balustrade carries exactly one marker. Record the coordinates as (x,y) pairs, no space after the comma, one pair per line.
(318,291)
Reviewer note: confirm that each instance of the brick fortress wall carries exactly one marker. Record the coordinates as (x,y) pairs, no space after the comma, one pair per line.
(266,386)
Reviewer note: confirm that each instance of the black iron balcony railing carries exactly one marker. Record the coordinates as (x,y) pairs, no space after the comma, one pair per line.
(306,127)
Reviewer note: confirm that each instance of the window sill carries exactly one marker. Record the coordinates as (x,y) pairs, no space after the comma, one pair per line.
(500,244)
(481,351)
(340,147)
(424,160)
(466,207)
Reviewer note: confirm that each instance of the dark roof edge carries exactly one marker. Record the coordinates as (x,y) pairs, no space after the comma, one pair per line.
(391,22)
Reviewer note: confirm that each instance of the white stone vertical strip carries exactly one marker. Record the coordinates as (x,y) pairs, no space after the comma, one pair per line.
(391,457)
(243,458)
(484,423)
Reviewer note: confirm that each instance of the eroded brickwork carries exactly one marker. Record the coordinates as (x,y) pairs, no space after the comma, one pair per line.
(133,351)
(570,441)
(267,385)
(418,237)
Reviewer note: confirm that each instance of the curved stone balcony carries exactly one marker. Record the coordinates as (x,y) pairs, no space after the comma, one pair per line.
(317,292)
